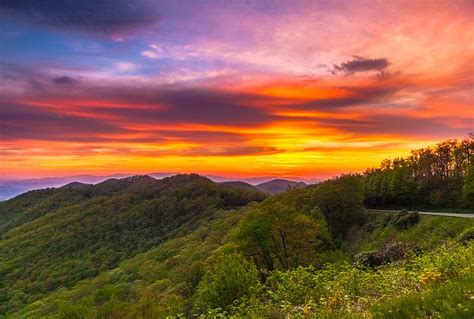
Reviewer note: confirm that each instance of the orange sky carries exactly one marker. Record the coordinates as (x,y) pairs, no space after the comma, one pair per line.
(305,89)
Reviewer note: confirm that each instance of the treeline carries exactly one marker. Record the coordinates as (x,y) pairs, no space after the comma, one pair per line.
(433,177)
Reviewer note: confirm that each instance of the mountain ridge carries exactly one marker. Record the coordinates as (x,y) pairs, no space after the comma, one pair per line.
(10,188)
(279,185)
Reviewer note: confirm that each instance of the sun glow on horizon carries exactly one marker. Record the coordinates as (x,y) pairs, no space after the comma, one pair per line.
(248,92)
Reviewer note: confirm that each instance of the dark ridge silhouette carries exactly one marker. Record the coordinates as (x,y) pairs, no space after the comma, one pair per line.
(242,185)
(278,186)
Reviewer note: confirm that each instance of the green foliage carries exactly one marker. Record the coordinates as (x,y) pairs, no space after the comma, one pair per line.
(276,234)
(404,219)
(155,284)
(429,177)
(453,300)
(340,201)
(466,236)
(55,238)
(468,188)
(166,280)
(342,290)
(428,233)
(230,279)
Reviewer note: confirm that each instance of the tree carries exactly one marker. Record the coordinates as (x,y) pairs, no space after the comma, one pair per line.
(402,186)
(276,234)
(468,188)
(254,237)
(230,279)
(340,200)
(431,176)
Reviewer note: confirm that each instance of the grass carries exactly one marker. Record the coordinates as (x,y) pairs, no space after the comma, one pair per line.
(454,300)
(429,233)
(421,209)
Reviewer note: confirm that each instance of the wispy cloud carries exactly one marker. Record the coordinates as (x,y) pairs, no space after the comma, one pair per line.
(63,80)
(360,64)
(101,17)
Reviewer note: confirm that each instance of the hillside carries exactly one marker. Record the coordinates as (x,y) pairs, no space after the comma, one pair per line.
(277,186)
(172,279)
(186,247)
(242,185)
(56,237)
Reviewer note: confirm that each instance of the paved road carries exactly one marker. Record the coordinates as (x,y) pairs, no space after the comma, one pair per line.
(427,213)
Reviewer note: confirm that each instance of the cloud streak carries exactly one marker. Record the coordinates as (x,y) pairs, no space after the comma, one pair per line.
(106,17)
(63,80)
(359,64)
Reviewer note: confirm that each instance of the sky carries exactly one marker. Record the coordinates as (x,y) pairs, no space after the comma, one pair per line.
(235,88)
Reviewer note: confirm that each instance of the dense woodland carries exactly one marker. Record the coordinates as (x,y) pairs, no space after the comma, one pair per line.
(56,237)
(185,247)
(432,177)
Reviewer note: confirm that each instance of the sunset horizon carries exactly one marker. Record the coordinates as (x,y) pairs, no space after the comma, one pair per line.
(311,89)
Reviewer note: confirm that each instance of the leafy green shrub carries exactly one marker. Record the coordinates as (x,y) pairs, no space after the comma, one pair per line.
(231,278)
(403,219)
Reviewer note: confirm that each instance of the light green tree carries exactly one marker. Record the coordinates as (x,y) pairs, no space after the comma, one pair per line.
(230,279)
(468,187)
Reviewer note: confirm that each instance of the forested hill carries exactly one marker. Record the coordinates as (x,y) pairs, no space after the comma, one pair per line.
(55,237)
(277,186)
(274,186)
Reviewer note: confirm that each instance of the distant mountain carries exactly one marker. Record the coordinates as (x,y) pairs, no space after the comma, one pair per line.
(275,186)
(259,179)
(242,185)
(278,186)
(76,185)
(13,187)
